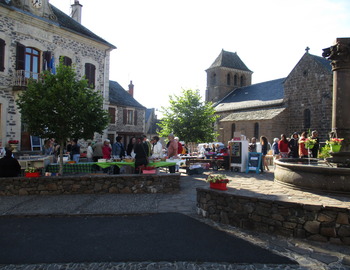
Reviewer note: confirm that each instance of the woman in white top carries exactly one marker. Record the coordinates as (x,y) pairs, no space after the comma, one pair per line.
(157,148)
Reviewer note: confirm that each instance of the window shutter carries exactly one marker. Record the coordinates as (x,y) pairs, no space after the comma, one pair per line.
(67,61)
(20,57)
(111,115)
(2,55)
(135,118)
(90,70)
(46,60)
(125,116)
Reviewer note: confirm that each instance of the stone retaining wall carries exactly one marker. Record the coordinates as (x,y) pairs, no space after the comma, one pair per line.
(90,184)
(314,222)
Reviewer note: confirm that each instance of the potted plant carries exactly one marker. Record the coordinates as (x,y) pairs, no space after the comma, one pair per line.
(309,143)
(218,181)
(32,172)
(335,144)
(14,145)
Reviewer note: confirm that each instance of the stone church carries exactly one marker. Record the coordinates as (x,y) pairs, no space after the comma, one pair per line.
(302,101)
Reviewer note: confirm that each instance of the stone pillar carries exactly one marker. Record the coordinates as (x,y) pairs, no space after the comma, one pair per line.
(339,54)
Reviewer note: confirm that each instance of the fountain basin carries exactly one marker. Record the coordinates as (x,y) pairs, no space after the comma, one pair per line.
(309,175)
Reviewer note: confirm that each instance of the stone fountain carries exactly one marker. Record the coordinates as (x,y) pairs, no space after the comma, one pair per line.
(309,174)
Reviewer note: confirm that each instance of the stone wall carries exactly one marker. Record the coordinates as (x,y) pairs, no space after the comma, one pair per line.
(314,222)
(90,184)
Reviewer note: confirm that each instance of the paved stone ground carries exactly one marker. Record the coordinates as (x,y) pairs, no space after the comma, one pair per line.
(309,254)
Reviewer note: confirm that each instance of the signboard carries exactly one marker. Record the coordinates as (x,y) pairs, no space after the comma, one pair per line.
(254,162)
(36,143)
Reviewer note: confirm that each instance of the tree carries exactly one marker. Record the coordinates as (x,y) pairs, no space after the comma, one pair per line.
(189,118)
(62,107)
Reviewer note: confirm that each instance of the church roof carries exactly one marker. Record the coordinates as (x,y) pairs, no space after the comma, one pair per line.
(120,97)
(270,93)
(256,115)
(229,60)
(323,61)
(64,21)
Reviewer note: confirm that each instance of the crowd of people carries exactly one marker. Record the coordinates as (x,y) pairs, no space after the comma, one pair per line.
(293,147)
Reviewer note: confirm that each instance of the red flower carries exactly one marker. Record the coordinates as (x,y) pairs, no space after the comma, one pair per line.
(13,142)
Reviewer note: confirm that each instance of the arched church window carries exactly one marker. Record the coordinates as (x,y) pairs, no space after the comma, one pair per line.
(307,118)
(228,79)
(256,130)
(242,81)
(235,79)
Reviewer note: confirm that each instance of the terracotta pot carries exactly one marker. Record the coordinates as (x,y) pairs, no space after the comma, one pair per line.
(33,174)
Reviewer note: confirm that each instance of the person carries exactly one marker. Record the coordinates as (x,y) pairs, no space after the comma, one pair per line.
(275,150)
(89,152)
(157,149)
(118,149)
(106,149)
(2,150)
(283,146)
(172,150)
(75,151)
(303,152)
(9,166)
(179,146)
(97,148)
(252,145)
(264,144)
(130,147)
(48,148)
(148,143)
(314,150)
(141,150)
(294,145)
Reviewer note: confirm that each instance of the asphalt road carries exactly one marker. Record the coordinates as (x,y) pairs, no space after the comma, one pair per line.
(152,237)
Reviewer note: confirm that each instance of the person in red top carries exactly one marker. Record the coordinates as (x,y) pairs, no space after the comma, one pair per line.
(303,152)
(283,146)
(106,149)
(179,146)
(172,150)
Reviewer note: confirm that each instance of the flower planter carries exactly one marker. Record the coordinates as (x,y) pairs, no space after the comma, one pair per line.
(220,186)
(14,147)
(34,174)
(335,148)
(149,171)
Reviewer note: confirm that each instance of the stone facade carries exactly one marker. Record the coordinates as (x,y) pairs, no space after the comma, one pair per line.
(309,87)
(314,222)
(44,35)
(304,102)
(90,184)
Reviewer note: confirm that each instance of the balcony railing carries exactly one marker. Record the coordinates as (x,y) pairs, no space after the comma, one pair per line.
(21,78)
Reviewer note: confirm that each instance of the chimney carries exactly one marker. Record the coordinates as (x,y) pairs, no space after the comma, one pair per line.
(76,11)
(131,89)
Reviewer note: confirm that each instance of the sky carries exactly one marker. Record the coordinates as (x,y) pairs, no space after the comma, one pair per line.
(165,46)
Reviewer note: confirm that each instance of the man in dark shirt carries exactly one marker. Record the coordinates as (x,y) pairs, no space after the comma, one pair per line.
(9,166)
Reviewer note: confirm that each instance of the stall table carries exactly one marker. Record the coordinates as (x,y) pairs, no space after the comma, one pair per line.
(81,167)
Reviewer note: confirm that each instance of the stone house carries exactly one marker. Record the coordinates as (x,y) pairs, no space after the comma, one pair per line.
(300,102)
(127,115)
(34,35)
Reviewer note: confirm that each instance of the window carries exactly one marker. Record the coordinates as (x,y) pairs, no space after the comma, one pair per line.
(235,79)
(213,78)
(228,79)
(307,118)
(129,117)
(28,59)
(242,81)
(111,112)
(256,130)
(66,61)
(90,70)
(2,55)
(233,129)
